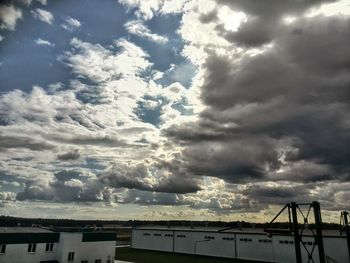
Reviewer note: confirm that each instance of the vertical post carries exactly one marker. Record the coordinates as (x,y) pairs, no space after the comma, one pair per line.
(347,230)
(236,256)
(195,251)
(290,218)
(318,237)
(173,241)
(296,233)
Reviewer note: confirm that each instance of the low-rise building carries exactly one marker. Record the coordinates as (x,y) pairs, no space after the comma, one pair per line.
(38,245)
(247,244)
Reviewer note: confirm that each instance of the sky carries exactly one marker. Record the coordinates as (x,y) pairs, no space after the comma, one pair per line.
(174,109)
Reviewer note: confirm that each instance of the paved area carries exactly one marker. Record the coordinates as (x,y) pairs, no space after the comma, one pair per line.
(121,261)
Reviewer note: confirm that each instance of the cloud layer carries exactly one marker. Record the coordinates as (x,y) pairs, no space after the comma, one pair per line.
(250,111)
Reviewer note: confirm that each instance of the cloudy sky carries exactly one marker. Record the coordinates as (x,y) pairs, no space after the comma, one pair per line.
(173,109)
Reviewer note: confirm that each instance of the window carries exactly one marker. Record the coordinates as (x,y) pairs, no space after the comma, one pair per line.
(2,249)
(181,236)
(227,238)
(168,235)
(286,242)
(31,248)
(265,240)
(49,247)
(71,256)
(209,237)
(157,235)
(109,259)
(98,261)
(84,261)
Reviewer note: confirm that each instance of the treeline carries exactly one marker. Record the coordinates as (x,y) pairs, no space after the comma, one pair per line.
(8,221)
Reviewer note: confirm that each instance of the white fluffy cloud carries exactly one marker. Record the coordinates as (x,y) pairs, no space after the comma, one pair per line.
(100,64)
(147,9)
(136,27)
(9,16)
(44,42)
(43,15)
(71,24)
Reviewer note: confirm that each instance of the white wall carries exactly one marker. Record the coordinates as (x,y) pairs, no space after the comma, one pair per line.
(69,242)
(161,243)
(72,242)
(253,249)
(336,248)
(97,250)
(17,253)
(275,251)
(284,252)
(214,247)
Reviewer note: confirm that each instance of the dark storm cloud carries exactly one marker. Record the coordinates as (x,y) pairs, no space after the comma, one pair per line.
(235,161)
(36,191)
(177,184)
(209,17)
(280,194)
(139,177)
(66,186)
(287,107)
(8,142)
(98,140)
(69,156)
(264,18)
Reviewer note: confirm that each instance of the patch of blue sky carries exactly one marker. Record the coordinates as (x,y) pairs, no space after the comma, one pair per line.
(24,63)
(181,107)
(162,55)
(150,114)
(101,21)
(10,182)
(182,73)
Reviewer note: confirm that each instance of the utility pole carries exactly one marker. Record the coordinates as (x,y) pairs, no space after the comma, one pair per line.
(296,232)
(344,216)
(318,225)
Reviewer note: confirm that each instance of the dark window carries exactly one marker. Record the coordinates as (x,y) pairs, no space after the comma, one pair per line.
(98,261)
(49,247)
(2,249)
(31,248)
(84,261)
(71,256)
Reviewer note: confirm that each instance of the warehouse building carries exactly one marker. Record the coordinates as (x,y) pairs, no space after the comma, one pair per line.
(37,245)
(248,244)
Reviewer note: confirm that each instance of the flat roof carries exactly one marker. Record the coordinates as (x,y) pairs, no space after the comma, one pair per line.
(258,231)
(24,230)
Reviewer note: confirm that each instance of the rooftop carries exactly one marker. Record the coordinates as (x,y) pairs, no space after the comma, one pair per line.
(326,232)
(24,230)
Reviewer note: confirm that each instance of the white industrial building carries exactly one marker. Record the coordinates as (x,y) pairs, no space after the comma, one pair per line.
(248,244)
(37,245)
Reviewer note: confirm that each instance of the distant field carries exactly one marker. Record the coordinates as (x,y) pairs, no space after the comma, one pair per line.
(148,256)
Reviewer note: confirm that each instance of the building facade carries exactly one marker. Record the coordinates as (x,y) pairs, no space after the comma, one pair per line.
(248,244)
(37,245)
